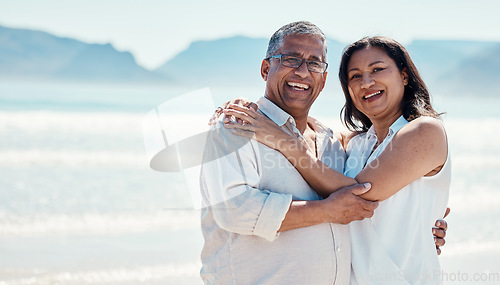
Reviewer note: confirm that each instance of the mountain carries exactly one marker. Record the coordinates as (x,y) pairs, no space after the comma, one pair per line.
(457,67)
(236,61)
(437,59)
(477,75)
(224,61)
(40,55)
(447,66)
(230,61)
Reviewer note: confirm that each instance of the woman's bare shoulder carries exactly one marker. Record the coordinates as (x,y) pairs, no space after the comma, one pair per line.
(425,136)
(424,126)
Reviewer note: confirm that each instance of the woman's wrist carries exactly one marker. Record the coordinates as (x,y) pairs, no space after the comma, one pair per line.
(297,153)
(287,145)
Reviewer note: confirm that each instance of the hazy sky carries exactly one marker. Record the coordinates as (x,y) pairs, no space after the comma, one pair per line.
(155,30)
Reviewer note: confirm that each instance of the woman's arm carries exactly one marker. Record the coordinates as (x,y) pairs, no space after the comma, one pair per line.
(415,151)
(323,179)
(420,148)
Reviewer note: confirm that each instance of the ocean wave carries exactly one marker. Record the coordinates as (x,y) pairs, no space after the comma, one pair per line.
(88,122)
(472,246)
(39,157)
(463,161)
(133,275)
(47,157)
(39,225)
(474,200)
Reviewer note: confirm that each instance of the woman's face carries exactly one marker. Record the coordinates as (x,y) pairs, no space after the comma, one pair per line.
(375,83)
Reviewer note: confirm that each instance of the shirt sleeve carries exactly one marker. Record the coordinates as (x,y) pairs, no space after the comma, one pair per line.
(230,186)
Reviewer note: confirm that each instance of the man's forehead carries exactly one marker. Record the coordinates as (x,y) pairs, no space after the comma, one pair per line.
(306,46)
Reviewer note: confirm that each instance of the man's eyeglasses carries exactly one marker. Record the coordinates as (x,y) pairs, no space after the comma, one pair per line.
(296,62)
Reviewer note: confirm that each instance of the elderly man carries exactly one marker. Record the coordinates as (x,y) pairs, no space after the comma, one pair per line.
(262,222)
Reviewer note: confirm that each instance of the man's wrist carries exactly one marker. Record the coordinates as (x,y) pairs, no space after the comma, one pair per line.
(322,211)
(304,214)
(316,212)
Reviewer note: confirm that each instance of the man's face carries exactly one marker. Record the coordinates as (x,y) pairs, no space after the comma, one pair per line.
(295,89)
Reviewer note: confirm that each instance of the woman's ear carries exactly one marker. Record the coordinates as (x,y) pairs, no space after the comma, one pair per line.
(404,74)
(264,69)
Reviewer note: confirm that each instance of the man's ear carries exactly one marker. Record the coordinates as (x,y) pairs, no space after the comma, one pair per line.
(264,69)
(324,80)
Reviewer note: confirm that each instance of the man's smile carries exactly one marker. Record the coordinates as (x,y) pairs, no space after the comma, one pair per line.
(298,86)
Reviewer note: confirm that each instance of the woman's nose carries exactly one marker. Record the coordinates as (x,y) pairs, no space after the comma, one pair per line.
(367,81)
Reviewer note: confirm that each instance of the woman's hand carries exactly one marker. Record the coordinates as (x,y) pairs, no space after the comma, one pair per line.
(254,125)
(241,101)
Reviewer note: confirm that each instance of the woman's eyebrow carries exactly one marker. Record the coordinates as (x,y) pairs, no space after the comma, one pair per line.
(373,63)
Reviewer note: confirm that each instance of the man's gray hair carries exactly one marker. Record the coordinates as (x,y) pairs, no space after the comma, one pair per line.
(295,28)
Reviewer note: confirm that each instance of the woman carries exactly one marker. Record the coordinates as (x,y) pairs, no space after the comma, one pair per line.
(396,143)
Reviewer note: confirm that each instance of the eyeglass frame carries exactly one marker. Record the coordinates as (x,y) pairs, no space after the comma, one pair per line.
(280,56)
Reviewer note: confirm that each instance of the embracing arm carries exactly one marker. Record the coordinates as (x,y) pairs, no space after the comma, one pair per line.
(421,142)
(341,207)
(323,179)
(424,137)
(230,186)
(418,149)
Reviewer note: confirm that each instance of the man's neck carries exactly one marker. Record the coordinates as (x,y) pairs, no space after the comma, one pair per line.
(301,123)
(306,130)
(299,115)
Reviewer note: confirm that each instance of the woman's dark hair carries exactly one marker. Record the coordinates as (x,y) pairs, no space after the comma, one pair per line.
(416,101)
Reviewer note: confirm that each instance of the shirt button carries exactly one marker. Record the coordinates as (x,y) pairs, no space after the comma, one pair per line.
(338,249)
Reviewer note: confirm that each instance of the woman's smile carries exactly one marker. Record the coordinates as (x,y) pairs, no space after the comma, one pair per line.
(373,95)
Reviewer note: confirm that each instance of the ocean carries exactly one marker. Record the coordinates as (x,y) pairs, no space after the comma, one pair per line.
(79,203)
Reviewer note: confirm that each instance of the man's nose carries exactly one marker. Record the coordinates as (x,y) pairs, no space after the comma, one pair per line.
(302,69)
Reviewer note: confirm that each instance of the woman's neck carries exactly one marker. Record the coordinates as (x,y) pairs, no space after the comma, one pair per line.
(382,125)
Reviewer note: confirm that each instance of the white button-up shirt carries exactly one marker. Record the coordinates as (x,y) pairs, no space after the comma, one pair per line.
(247,189)
(396,245)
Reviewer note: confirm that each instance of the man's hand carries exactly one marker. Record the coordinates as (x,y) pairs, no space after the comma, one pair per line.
(345,206)
(440,232)
(342,207)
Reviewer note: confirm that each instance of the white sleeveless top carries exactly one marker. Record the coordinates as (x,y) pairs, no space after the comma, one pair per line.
(396,245)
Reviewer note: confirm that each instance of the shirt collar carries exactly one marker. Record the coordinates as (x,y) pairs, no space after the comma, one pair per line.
(397,125)
(394,128)
(273,112)
(280,117)
(318,127)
